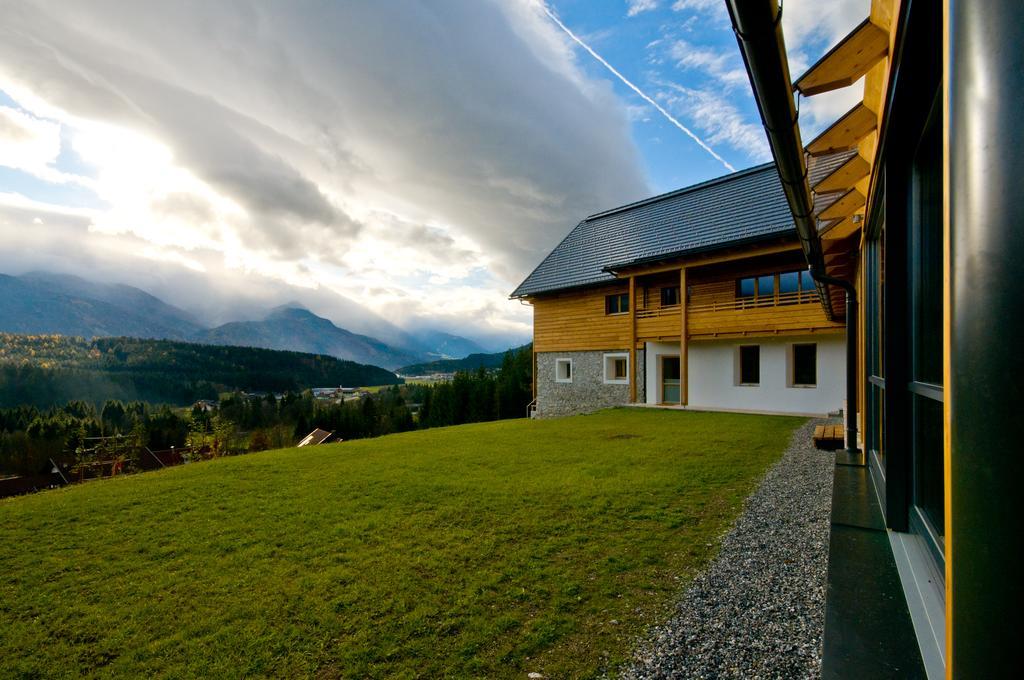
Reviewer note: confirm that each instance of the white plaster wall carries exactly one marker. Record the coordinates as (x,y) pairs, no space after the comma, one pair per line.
(712,375)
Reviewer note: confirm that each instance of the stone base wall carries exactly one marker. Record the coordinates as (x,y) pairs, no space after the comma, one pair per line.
(587,392)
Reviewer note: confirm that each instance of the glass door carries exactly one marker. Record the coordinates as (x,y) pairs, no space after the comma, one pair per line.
(670,393)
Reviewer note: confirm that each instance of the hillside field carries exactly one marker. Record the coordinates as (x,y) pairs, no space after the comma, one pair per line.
(485,550)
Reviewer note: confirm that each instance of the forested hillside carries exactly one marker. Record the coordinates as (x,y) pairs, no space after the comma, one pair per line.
(469,363)
(44,370)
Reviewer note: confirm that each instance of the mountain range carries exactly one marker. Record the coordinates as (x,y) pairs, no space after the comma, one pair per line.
(468,363)
(48,303)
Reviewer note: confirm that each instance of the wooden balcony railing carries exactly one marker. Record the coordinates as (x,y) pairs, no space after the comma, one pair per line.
(780,300)
(671,310)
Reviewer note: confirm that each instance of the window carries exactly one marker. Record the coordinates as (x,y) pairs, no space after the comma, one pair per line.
(792,287)
(789,282)
(616,369)
(563,370)
(616,304)
(670,296)
(804,365)
(925,319)
(749,365)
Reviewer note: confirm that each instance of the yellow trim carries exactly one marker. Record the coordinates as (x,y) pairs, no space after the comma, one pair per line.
(947,340)
(632,339)
(684,340)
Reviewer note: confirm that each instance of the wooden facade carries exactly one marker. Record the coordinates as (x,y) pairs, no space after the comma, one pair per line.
(682,301)
(578,320)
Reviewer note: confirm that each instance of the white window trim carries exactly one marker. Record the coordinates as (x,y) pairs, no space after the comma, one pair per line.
(572,370)
(612,356)
(791,367)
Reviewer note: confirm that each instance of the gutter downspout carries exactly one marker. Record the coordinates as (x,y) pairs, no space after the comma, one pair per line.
(758,28)
(851,354)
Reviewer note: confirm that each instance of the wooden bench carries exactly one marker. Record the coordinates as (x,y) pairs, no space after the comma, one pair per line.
(828,436)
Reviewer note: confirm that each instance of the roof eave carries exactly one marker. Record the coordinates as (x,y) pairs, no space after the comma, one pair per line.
(666,257)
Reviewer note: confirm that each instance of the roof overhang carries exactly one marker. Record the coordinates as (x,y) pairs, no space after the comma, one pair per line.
(689,253)
(847,62)
(842,197)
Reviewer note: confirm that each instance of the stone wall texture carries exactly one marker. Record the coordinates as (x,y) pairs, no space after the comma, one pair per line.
(587,392)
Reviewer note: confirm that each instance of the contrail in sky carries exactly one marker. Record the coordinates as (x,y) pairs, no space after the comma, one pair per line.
(636,89)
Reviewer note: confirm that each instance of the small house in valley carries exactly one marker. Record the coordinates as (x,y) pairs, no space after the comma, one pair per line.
(316,437)
(698,298)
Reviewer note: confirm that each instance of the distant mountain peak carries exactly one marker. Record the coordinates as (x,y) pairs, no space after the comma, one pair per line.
(295,312)
(294,304)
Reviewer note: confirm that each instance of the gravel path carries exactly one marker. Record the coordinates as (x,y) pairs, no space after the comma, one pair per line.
(759,609)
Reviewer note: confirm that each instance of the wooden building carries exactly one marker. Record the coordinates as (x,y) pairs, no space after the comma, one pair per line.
(698,298)
(918,232)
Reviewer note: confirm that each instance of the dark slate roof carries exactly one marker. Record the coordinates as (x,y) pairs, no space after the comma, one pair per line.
(745,206)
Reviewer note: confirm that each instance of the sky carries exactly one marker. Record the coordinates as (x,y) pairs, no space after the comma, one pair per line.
(381,162)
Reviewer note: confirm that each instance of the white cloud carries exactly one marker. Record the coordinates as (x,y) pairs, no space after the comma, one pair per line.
(723,66)
(719,119)
(709,10)
(639,6)
(640,93)
(32,145)
(348,147)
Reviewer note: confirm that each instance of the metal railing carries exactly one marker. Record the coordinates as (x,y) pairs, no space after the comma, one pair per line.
(531,409)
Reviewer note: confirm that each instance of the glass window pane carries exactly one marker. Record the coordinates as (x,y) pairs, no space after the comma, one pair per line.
(806,281)
(670,296)
(745,288)
(624,302)
(750,365)
(805,364)
(670,368)
(926,267)
(670,391)
(789,282)
(766,286)
(929,490)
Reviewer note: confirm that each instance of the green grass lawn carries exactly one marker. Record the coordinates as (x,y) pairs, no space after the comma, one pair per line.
(488,550)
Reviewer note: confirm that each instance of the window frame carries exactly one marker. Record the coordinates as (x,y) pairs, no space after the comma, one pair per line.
(619,298)
(563,361)
(793,368)
(610,358)
(739,366)
(670,289)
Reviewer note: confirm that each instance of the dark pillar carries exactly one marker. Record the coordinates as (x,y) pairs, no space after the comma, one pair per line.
(986,380)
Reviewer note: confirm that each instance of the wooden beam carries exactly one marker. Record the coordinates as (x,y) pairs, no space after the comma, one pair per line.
(843,177)
(632,339)
(832,246)
(847,62)
(874,87)
(866,146)
(684,342)
(845,132)
(843,207)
